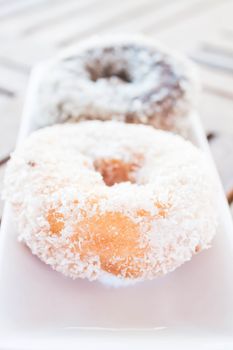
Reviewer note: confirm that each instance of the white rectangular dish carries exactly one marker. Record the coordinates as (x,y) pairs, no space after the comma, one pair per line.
(187,309)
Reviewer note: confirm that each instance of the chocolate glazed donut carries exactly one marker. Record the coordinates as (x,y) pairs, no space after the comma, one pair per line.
(131,80)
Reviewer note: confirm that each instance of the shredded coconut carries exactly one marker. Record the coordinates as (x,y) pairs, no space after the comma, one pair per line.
(54,187)
(129,79)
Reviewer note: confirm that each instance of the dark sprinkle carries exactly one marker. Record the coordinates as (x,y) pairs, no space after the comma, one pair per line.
(210,136)
(31,163)
(4,160)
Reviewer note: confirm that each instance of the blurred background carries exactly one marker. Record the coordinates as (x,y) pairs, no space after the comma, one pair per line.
(33,30)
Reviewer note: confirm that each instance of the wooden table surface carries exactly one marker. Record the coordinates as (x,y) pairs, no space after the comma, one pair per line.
(33,30)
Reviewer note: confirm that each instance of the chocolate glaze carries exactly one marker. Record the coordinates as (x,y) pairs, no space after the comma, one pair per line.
(134,83)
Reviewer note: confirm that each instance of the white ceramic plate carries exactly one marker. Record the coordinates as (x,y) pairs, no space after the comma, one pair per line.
(187,309)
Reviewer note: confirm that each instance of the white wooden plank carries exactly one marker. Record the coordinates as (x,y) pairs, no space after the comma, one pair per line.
(222,150)
(184,15)
(205,26)
(12,80)
(11,111)
(72,10)
(46,15)
(216,80)
(103,16)
(26,51)
(158,12)
(2,172)
(19,6)
(47,43)
(216,113)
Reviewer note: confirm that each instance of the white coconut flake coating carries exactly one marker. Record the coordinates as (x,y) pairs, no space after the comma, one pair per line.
(124,78)
(111,201)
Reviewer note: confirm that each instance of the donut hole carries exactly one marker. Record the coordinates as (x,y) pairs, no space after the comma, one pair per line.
(108,71)
(115,171)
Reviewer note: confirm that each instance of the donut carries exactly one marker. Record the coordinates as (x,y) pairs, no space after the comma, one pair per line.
(110,201)
(128,79)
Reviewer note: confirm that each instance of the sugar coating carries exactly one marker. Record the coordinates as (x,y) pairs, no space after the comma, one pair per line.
(168,211)
(130,78)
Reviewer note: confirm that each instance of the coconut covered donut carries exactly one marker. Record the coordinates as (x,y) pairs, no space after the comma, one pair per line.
(111,201)
(128,79)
